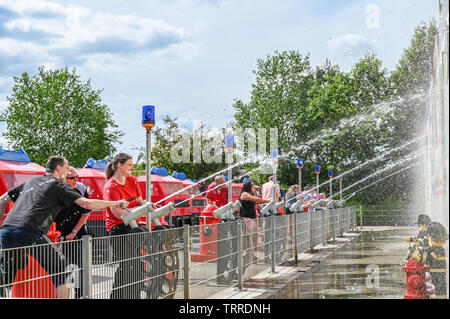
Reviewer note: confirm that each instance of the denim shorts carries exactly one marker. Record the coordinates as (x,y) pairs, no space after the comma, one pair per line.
(14,259)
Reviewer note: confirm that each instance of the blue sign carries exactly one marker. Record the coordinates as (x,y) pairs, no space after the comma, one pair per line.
(317,169)
(148,115)
(330,173)
(299,162)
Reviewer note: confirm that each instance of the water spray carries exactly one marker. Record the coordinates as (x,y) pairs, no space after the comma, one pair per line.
(380,171)
(377,181)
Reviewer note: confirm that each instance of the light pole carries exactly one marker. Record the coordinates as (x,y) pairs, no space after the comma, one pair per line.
(229,144)
(148,121)
(317,170)
(299,167)
(341,177)
(275,166)
(330,175)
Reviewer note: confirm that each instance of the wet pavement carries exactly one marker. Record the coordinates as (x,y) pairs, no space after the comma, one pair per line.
(369,266)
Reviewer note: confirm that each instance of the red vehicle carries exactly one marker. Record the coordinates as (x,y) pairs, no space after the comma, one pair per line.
(92,175)
(16,168)
(197,202)
(163,186)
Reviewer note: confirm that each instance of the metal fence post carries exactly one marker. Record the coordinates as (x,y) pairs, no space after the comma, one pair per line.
(339,222)
(295,238)
(332,224)
(360,217)
(86,262)
(273,242)
(311,230)
(239,251)
(187,259)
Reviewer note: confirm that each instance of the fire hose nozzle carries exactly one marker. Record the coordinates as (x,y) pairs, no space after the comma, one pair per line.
(237,205)
(331,203)
(163,211)
(319,202)
(137,213)
(297,206)
(222,210)
(278,205)
(266,208)
(140,211)
(341,202)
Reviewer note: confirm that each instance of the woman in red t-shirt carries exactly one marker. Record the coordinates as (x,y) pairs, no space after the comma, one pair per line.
(121,185)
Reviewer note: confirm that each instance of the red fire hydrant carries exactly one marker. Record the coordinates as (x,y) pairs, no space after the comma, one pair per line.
(53,234)
(415,280)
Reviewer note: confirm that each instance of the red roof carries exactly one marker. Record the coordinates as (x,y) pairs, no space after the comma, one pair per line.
(21,167)
(91,172)
(158,178)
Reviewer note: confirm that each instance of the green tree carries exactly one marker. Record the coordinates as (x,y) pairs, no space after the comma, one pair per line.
(278,97)
(55,113)
(167,136)
(414,69)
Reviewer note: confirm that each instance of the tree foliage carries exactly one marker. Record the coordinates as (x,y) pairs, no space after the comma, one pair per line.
(55,113)
(167,140)
(342,120)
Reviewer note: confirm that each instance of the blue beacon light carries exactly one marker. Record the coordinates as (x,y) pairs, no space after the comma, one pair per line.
(299,163)
(317,169)
(148,116)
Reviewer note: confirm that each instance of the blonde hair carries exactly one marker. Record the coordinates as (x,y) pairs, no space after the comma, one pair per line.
(291,189)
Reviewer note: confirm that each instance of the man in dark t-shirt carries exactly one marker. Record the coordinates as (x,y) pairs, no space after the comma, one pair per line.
(71,220)
(37,203)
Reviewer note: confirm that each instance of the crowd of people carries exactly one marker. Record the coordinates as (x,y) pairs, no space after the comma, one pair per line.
(57,197)
(217,195)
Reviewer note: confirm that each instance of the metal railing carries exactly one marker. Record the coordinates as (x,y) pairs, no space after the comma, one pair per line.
(388,215)
(189,262)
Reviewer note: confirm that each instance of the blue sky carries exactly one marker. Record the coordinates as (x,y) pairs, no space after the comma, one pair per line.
(192,58)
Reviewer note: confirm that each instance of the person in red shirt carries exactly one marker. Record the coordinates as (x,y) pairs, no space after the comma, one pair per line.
(219,194)
(122,185)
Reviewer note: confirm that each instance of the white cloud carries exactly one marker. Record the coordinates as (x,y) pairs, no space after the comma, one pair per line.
(349,47)
(348,44)
(73,34)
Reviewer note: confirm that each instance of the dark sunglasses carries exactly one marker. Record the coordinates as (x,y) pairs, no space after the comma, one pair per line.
(72,178)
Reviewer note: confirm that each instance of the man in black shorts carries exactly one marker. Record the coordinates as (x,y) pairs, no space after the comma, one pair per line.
(40,201)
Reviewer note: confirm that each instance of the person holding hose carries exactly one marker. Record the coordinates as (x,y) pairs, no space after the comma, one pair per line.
(37,203)
(122,185)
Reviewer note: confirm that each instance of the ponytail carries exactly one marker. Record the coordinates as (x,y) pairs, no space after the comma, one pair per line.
(109,171)
(112,166)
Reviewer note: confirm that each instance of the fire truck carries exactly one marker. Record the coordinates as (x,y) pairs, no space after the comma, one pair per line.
(16,168)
